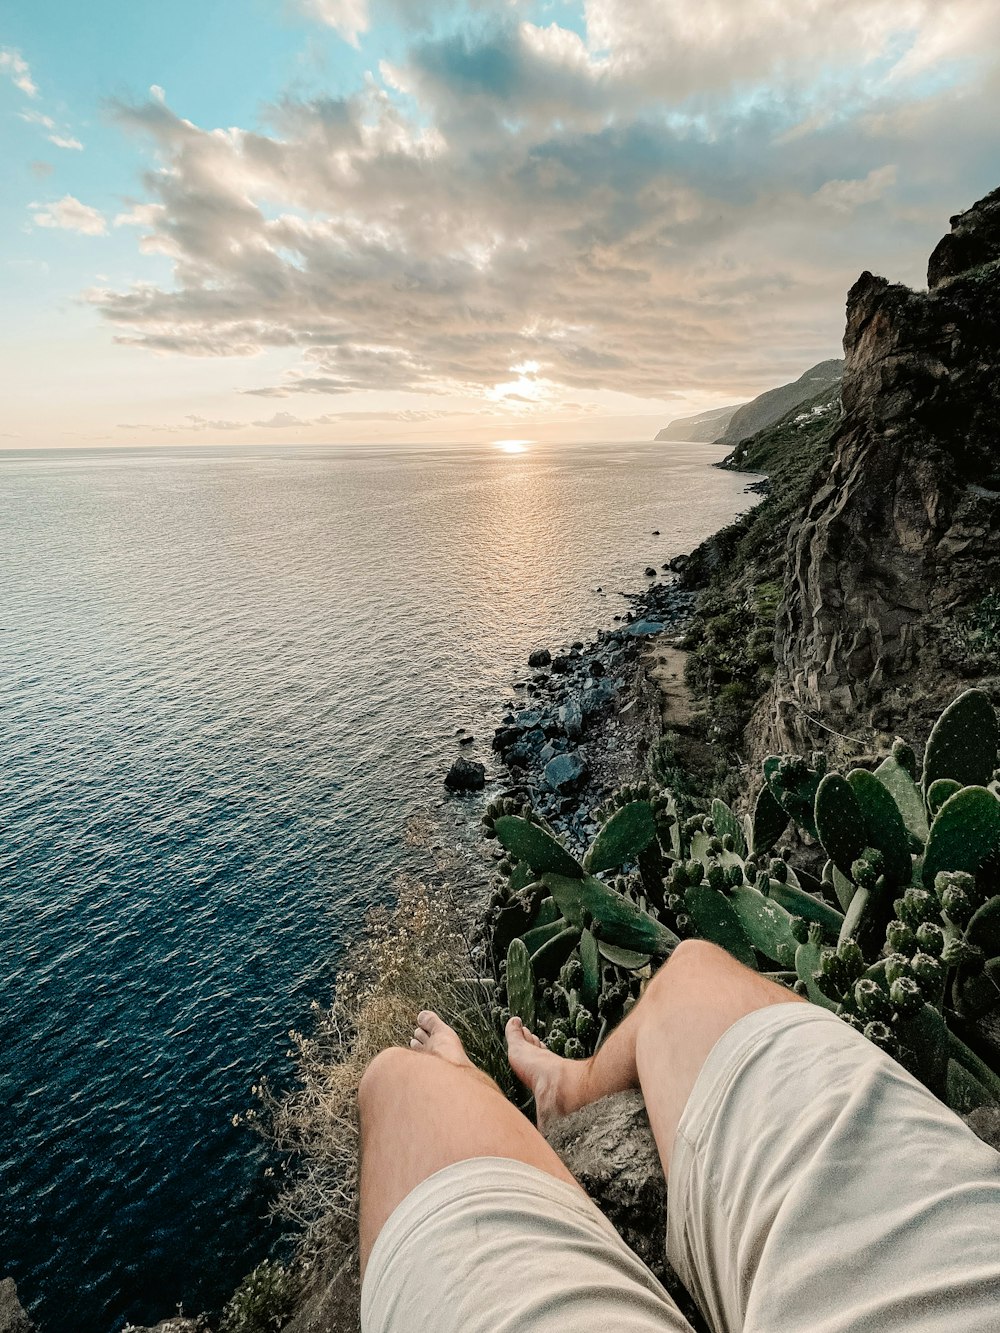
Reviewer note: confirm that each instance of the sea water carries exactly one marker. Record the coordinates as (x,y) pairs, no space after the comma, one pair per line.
(228,677)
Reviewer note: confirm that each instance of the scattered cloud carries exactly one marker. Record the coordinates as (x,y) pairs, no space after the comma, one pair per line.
(14,65)
(61,140)
(69,214)
(348,17)
(41,169)
(516,212)
(37,118)
(65,141)
(847,195)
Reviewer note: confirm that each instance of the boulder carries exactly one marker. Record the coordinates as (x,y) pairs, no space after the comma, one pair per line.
(505,737)
(467,740)
(13,1318)
(541,657)
(519,756)
(679,563)
(565,771)
(562,664)
(527,718)
(639,628)
(596,696)
(650,572)
(571,718)
(465,775)
(597,668)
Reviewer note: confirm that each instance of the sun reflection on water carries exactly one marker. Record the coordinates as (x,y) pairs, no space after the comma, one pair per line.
(512,446)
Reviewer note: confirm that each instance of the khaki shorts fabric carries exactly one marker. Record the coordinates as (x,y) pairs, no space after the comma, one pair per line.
(490,1245)
(815,1187)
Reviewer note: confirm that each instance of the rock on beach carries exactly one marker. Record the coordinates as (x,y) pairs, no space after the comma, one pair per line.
(466,775)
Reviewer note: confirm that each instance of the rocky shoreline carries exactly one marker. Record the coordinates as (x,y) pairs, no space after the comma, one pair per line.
(579,720)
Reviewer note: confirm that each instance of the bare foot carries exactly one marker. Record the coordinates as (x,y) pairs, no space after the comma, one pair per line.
(433,1035)
(558,1085)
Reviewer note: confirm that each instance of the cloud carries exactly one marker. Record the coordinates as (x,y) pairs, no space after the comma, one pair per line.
(69,214)
(847,195)
(37,118)
(65,141)
(673,196)
(348,17)
(47,123)
(14,65)
(41,169)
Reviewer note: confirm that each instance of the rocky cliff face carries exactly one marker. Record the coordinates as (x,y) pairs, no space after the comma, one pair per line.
(905,530)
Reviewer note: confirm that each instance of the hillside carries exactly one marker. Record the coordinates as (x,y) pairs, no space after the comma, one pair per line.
(704,428)
(771,406)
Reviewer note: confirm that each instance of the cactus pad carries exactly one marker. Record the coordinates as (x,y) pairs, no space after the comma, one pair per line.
(590,970)
(800,903)
(964,742)
(520,983)
(620,920)
(535,846)
(716,921)
(900,785)
(939,791)
(628,832)
(884,825)
(768,927)
(840,822)
(727,825)
(964,835)
(769,822)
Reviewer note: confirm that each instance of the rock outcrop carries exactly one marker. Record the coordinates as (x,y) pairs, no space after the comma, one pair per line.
(13,1318)
(905,530)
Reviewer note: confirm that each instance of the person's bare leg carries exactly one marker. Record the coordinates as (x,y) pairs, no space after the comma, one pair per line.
(694,998)
(429,1107)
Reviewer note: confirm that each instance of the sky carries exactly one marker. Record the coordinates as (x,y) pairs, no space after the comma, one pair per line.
(247,221)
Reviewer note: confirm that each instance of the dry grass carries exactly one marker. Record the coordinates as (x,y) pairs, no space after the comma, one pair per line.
(415,956)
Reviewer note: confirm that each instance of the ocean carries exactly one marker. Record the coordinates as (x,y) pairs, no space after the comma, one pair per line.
(228,679)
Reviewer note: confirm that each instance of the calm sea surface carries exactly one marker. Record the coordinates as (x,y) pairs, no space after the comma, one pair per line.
(227,679)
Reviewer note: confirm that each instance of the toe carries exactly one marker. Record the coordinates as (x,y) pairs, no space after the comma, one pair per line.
(419,1037)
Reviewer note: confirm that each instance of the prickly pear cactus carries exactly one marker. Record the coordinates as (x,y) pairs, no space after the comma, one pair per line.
(900,936)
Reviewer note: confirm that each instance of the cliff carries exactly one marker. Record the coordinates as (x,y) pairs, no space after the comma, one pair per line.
(704,428)
(892,561)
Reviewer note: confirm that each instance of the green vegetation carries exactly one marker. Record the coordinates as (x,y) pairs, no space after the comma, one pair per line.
(970,641)
(900,936)
(731,638)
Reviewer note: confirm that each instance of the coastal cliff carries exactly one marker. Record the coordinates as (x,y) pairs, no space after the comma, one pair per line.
(896,549)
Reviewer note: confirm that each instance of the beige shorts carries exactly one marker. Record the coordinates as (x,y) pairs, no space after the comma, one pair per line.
(815,1187)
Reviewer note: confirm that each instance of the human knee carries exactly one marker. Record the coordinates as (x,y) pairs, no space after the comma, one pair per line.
(381,1082)
(690,962)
